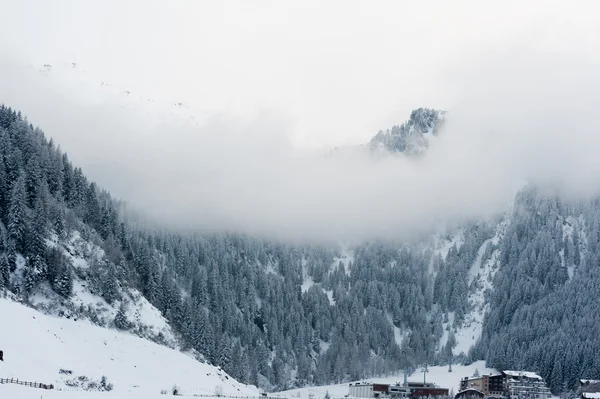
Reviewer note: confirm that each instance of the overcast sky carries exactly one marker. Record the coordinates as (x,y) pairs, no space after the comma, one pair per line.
(337,70)
(519,77)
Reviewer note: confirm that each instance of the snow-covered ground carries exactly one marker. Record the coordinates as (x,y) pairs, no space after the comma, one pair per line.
(571,225)
(9,391)
(36,347)
(438,375)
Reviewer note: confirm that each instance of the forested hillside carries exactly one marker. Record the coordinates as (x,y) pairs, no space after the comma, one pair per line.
(544,310)
(281,315)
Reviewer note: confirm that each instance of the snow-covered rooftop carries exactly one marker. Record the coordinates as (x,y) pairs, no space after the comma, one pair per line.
(476,377)
(526,374)
(585,381)
(591,395)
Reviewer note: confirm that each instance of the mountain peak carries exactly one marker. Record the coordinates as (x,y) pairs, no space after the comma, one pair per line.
(414,136)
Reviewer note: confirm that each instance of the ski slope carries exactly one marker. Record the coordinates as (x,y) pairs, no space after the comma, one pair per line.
(438,375)
(36,347)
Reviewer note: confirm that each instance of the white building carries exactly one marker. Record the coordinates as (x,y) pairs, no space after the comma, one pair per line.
(368,390)
(525,385)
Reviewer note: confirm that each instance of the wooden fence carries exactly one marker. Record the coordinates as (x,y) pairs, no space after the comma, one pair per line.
(26,383)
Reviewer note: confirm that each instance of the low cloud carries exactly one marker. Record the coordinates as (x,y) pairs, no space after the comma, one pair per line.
(518,117)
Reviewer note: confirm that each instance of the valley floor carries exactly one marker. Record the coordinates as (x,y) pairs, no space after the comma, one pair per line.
(437,374)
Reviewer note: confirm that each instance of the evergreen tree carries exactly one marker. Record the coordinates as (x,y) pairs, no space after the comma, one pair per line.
(4,192)
(4,270)
(35,270)
(33,180)
(63,280)
(556,378)
(121,321)
(110,289)
(17,225)
(36,243)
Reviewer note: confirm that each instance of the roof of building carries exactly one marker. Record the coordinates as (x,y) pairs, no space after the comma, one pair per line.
(469,391)
(421,384)
(586,381)
(526,374)
(592,387)
(591,395)
(472,377)
(359,384)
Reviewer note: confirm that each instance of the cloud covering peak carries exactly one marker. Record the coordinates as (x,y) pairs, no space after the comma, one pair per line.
(521,100)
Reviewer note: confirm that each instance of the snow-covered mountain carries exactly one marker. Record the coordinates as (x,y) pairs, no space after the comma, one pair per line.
(412,138)
(517,290)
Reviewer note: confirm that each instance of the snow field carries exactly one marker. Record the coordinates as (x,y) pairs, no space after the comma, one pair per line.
(37,346)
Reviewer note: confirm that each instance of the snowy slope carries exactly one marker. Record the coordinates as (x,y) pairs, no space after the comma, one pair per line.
(480,279)
(37,346)
(85,303)
(438,375)
(571,225)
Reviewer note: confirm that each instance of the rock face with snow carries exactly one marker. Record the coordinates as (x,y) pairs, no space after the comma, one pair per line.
(412,137)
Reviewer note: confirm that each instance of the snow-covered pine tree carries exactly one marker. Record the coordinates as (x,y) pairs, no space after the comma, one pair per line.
(4,270)
(3,188)
(556,377)
(33,180)
(35,270)
(110,285)
(38,231)
(63,280)
(17,222)
(121,321)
